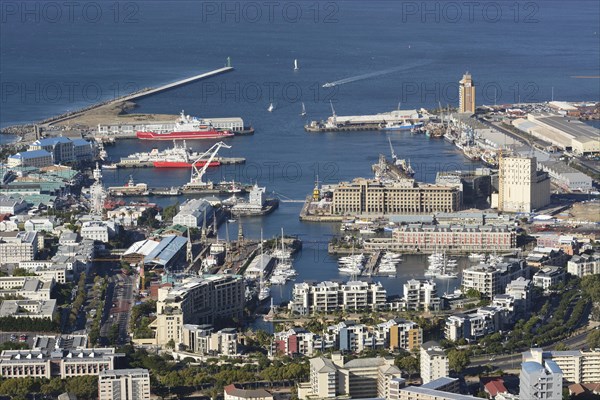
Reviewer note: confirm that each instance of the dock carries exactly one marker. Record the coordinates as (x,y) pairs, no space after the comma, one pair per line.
(371,267)
(150,164)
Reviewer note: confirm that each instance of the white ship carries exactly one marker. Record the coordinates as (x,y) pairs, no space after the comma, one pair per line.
(441,267)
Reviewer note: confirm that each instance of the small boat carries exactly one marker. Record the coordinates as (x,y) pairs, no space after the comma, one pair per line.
(109,166)
(296,68)
(271,108)
(303,113)
(231,221)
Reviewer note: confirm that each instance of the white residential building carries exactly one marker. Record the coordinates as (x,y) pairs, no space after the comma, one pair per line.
(40,224)
(332,296)
(100,231)
(490,280)
(28,287)
(584,264)
(18,246)
(201,339)
(577,366)
(124,384)
(421,294)
(540,381)
(548,276)
(434,362)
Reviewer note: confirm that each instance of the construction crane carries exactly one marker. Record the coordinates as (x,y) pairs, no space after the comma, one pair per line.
(197,174)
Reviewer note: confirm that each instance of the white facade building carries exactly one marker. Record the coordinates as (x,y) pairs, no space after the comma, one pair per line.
(522,188)
(434,362)
(421,294)
(194,213)
(540,381)
(18,246)
(124,384)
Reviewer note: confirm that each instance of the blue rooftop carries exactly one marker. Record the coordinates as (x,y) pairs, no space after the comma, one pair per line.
(166,250)
(80,142)
(31,154)
(531,367)
(51,141)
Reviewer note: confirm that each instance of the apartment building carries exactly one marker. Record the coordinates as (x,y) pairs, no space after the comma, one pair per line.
(328,297)
(490,280)
(202,339)
(548,276)
(482,322)
(421,294)
(100,231)
(18,246)
(366,196)
(584,264)
(540,380)
(577,366)
(296,341)
(124,384)
(359,378)
(402,334)
(197,300)
(424,393)
(434,362)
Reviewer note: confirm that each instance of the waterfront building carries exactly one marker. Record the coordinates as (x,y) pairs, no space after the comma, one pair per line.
(521,187)
(421,294)
(453,238)
(540,380)
(194,213)
(490,280)
(201,339)
(563,132)
(359,378)
(434,362)
(308,298)
(32,158)
(124,384)
(18,246)
(466,94)
(61,148)
(584,264)
(365,196)
(577,366)
(197,300)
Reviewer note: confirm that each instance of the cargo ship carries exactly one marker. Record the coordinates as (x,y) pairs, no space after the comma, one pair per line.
(187,127)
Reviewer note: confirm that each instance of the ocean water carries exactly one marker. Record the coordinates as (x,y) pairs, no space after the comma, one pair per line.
(415,53)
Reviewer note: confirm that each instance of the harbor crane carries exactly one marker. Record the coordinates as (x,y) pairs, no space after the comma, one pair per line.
(198,174)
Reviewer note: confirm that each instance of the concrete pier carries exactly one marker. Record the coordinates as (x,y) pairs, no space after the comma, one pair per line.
(176,84)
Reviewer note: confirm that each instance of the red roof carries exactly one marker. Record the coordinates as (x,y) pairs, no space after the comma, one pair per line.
(495,386)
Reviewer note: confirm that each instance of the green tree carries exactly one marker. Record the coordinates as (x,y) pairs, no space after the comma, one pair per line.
(593,339)
(458,359)
(408,363)
(170,211)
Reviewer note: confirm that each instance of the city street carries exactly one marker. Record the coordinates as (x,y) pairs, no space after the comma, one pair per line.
(117,308)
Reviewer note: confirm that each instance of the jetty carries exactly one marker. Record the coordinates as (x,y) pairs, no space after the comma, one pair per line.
(178,83)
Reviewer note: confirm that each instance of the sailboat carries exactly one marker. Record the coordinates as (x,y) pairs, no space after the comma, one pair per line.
(264,292)
(271,107)
(296,68)
(303,113)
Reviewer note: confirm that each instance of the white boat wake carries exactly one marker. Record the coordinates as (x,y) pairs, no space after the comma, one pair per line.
(374,74)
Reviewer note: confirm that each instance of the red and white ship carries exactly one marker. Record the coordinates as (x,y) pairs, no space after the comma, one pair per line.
(179,156)
(187,127)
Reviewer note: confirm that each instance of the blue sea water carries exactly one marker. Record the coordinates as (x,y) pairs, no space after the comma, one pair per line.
(516,51)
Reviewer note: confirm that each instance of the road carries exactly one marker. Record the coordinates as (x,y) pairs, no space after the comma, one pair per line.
(117,309)
(513,361)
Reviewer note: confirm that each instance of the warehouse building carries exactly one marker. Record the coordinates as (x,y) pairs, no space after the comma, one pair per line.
(566,177)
